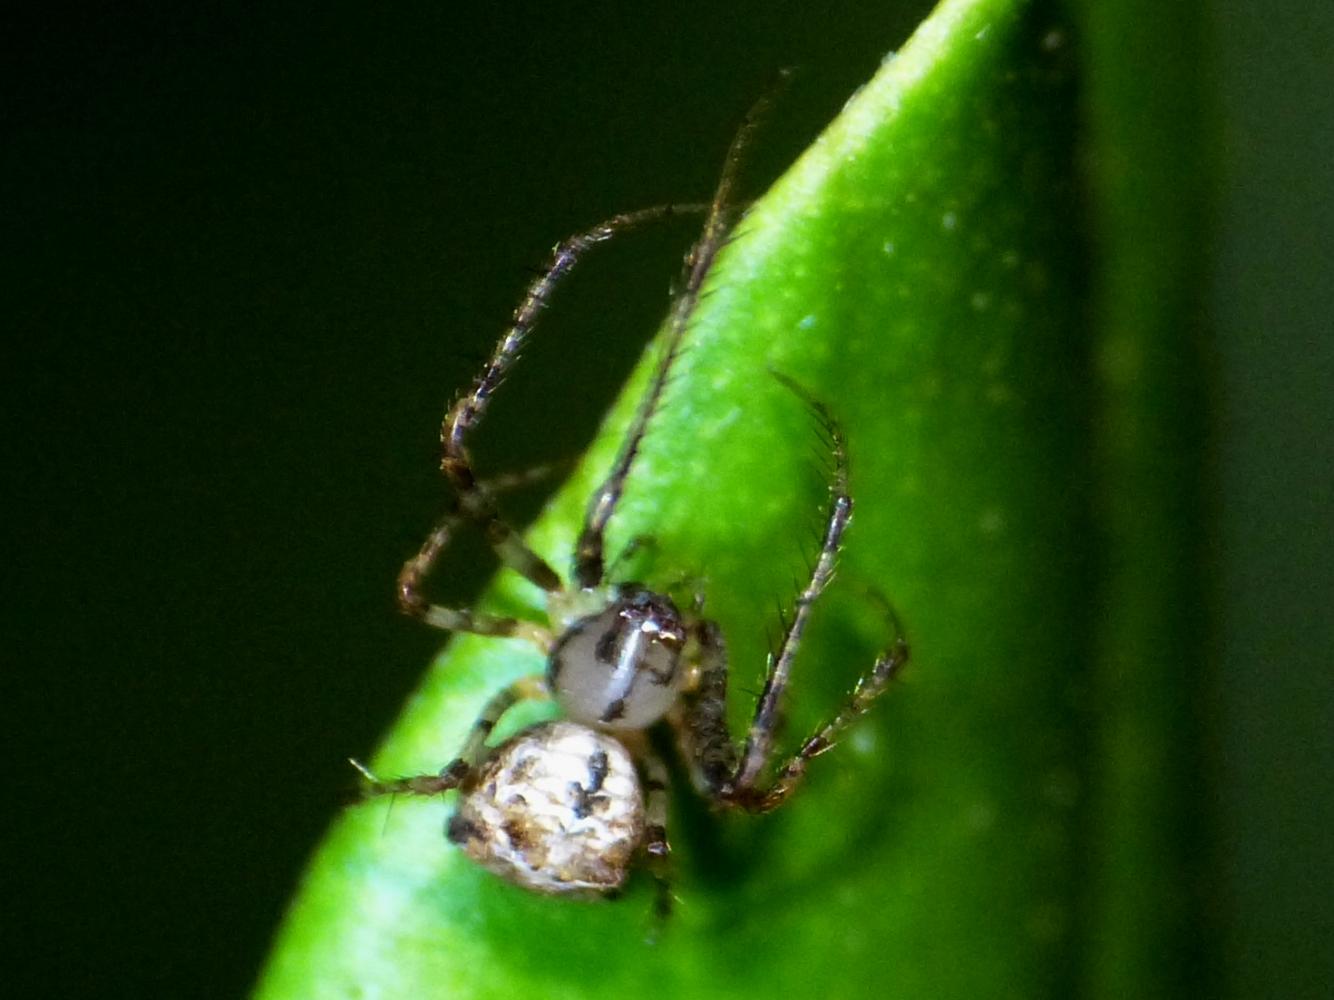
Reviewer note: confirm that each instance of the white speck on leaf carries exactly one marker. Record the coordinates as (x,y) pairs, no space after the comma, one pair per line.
(992,522)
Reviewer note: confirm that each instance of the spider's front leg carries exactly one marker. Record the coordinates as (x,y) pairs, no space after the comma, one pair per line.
(475,500)
(589,557)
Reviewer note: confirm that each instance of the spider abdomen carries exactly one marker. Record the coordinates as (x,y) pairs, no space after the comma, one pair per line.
(558,808)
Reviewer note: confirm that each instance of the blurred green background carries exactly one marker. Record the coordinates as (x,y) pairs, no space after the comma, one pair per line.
(251,253)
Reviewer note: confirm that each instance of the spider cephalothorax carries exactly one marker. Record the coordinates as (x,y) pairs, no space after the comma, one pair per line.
(570,806)
(620,668)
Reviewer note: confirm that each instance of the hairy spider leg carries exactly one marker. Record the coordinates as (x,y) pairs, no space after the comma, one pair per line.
(737,778)
(589,552)
(457,771)
(476,499)
(759,741)
(869,686)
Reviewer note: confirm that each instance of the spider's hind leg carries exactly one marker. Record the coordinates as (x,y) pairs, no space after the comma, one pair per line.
(747,778)
(656,848)
(758,748)
(457,771)
(869,686)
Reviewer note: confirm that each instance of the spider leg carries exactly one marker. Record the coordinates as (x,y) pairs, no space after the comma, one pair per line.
(759,741)
(475,499)
(457,771)
(636,545)
(526,477)
(656,847)
(412,601)
(706,742)
(869,686)
(589,552)
(414,572)
(738,778)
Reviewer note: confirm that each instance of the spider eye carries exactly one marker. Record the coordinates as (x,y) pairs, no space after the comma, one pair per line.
(619,668)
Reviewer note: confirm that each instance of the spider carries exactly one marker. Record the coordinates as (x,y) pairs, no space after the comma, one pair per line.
(571,806)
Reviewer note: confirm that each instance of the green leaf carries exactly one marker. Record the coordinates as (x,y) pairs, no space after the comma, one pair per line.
(921,270)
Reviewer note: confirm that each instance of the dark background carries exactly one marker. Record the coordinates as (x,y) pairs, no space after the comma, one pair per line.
(250,254)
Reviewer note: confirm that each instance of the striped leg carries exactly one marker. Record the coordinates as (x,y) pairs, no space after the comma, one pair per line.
(412,600)
(589,556)
(456,772)
(869,687)
(655,830)
(740,779)
(706,742)
(750,790)
(759,741)
(475,501)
